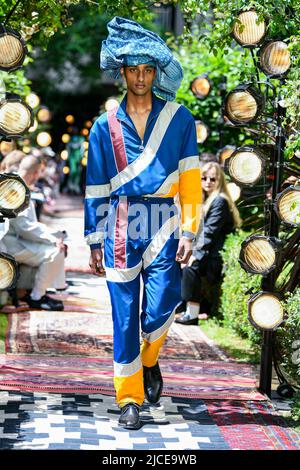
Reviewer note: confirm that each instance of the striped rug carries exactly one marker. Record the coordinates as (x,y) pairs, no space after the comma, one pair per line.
(182,378)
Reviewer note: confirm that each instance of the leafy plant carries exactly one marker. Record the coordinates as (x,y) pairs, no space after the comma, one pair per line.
(37,20)
(236,284)
(295,412)
(288,339)
(217,19)
(71,64)
(224,73)
(16,82)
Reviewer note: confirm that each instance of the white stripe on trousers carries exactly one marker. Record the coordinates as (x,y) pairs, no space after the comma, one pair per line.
(149,255)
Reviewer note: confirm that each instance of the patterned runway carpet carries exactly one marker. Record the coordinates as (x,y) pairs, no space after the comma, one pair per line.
(84,333)
(182,378)
(252,425)
(89,422)
(71,351)
(208,404)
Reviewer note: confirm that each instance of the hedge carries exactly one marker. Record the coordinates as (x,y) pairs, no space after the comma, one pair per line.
(234,309)
(288,338)
(236,283)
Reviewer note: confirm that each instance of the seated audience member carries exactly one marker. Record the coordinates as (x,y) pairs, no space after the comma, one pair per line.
(11,162)
(220,218)
(47,187)
(6,148)
(34,244)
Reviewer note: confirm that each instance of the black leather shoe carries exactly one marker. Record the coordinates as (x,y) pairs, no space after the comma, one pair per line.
(153,383)
(55,302)
(130,418)
(185,319)
(45,303)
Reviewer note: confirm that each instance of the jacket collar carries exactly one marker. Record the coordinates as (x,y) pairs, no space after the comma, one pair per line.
(157,106)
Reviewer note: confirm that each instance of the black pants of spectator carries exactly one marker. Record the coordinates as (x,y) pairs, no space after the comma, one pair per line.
(38,209)
(192,280)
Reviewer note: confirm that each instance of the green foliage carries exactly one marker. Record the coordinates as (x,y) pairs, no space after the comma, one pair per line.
(196,59)
(3,328)
(76,70)
(288,339)
(283,18)
(15,82)
(295,412)
(283,22)
(78,65)
(38,20)
(241,350)
(134,9)
(235,285)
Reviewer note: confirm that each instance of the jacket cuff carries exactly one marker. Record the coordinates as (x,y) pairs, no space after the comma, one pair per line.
(190,235)
(94,238)
(95,246)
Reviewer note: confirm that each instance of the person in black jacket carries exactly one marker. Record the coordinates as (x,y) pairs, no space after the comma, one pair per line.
(220,218)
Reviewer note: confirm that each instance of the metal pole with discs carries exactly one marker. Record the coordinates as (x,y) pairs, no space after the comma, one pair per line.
(272,229)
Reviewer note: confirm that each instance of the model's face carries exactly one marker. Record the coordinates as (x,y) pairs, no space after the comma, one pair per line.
(209,180)
(139,78)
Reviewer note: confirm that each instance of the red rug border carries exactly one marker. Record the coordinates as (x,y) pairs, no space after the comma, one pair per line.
(108,391)
(241,395)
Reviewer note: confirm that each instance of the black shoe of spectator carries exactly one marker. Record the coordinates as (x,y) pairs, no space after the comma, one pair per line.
(54,301)
(68,284)
(185,319)
(45,303)
(57,303)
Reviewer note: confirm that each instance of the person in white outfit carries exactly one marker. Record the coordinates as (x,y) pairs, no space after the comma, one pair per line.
(34,244)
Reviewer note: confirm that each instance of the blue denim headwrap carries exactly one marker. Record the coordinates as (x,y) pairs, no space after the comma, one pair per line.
(128,43)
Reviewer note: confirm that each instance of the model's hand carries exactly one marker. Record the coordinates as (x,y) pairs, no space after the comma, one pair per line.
(66,250)
(60,245)
(96,262)
(184,250)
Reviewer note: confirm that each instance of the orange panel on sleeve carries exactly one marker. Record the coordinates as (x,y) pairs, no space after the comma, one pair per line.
(190,194)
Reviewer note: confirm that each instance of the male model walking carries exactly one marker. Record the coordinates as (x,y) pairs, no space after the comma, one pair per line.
(141,155)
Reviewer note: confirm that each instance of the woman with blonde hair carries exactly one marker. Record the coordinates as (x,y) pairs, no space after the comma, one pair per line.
(220,218)
(11,161)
